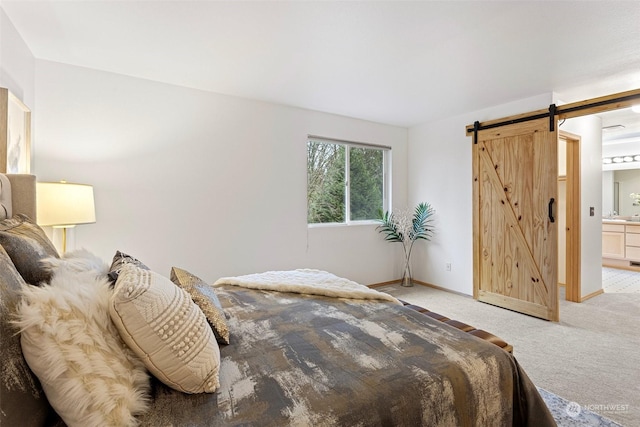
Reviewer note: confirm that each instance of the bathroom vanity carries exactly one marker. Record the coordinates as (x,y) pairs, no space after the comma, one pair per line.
(621,243)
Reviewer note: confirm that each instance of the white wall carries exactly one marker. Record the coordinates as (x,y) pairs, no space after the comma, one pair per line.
(589,128)
(211,183)
(440,173)
(17,64)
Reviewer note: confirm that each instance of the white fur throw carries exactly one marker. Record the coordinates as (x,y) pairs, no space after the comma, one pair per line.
(90,377)
(306,281)
(80,260)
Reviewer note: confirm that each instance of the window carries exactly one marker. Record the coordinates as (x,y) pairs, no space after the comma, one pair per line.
(346,181)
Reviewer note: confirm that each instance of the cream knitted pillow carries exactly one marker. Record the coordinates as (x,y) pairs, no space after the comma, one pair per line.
(164,327)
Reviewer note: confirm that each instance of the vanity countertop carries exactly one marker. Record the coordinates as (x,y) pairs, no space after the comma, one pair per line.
(622,220)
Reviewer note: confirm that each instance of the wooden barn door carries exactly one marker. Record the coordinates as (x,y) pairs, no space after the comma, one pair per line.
(515,172)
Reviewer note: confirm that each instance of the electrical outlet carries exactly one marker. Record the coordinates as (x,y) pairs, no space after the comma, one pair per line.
(448,266)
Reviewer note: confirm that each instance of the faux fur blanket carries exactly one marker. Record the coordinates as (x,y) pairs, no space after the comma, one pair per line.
(89,375)
(306,281)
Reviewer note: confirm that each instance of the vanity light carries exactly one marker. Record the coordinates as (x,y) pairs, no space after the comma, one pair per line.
(620,159)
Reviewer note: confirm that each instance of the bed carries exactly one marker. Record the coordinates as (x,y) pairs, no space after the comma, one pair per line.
(296,355)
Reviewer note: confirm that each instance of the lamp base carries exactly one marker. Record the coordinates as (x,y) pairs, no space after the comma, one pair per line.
(64,237)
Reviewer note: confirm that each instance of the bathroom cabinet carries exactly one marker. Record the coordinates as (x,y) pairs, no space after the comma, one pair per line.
(621,244)
(632,242)
(613,241)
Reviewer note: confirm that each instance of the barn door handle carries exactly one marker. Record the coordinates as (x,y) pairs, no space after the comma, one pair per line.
(551,218)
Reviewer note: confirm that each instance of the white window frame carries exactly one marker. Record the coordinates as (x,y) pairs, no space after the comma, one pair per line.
(386,180)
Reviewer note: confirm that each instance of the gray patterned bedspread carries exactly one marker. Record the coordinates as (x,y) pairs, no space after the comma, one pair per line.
(302,360)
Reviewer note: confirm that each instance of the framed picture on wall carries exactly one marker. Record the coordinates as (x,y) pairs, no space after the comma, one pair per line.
(15,134)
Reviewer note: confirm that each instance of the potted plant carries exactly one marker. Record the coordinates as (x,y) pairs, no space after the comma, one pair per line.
(407,229)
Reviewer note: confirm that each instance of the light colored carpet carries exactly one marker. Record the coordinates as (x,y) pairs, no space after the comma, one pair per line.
(592,356)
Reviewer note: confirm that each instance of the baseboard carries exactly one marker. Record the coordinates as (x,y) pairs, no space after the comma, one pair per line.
(440,288)
(591,295)
(381,284)
(418,282)
(622,264)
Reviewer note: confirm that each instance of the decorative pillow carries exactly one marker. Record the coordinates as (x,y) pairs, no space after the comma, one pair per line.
(22,400)
(68,339)
(204,296)
(166,330)
(120,259)
(26,243)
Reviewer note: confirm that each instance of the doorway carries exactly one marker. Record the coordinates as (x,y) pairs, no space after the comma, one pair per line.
(569,199)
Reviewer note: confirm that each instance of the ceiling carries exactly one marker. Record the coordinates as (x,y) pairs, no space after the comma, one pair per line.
(400,63)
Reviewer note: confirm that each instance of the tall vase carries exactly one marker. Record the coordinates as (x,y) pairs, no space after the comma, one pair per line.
(406,275)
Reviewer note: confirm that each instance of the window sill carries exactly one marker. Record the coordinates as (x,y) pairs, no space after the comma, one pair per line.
(343,224)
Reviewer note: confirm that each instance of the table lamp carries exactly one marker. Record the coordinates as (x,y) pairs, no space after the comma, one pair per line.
(64,205)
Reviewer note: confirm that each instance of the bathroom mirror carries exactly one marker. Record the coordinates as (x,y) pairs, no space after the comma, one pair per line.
(624,182)
(620,138)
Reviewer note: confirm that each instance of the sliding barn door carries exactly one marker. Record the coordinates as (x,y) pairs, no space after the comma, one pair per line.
(515,169)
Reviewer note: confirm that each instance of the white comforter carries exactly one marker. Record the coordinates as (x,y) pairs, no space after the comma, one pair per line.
(306,281)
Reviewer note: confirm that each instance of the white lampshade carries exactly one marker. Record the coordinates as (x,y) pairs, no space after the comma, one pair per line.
(62,204)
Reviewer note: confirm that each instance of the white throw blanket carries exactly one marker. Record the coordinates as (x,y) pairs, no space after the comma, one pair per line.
(306,281)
